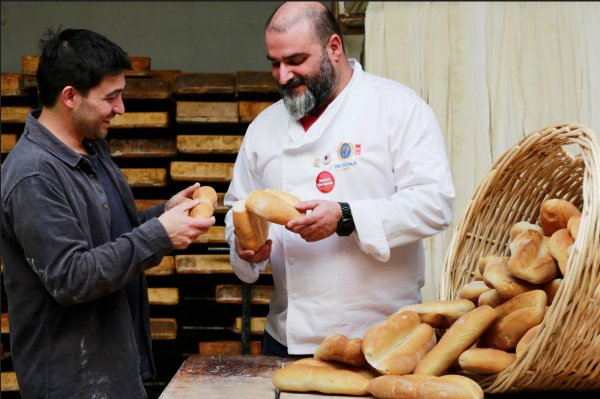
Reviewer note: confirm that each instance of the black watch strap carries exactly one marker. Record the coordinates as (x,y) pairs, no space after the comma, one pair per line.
(345,225)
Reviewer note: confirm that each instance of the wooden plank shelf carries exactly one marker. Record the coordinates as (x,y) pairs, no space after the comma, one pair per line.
(140,66)
(203,264)
(227,348)
(163,296)
(4,328)
(208,144)
(204,84)
(257,325)
(14,114)
(163,328)
(12,85)
(140,120)
(201,171)
(145,204)
(232,294)
(142,148)
(147,89)
(145,177)
(215,235)
(165,268)
(256,83)
(206,112)
(9,381)
(9,140)
(248,110)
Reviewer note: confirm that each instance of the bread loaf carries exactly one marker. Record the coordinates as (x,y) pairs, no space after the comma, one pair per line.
(514,318)
(413,386)
(497,276)
(526,339)
(251,230)
(530,260)
(339,348)
(472,290)
(440,314)
(315,375)
(208,200)
(555,214)
(520,227)
(551,288)
(490,298)
(559,245)
(273,205)
(485,360)
(396,345)
(573,225)
(461,335)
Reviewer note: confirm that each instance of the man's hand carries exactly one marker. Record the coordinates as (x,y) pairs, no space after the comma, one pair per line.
(318,224)
(251,256)
(183,229)
(182,196)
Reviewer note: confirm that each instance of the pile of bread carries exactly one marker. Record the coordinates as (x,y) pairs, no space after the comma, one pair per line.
(428,350)
(251,216)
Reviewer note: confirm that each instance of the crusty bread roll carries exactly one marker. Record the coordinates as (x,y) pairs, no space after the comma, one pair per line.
(559,245)
(413,386)
(208,201)
(397,344)
(316,375)
(251,230)
(440,314)
(339,348)
(472,290)
(526,339)
(490,298)
(497,276)
(520,227)
(274,205)
(530,259)
(555,214)
(460,336)
(485,360)
(573,225)
(514,318)
(482,263)
(551,288)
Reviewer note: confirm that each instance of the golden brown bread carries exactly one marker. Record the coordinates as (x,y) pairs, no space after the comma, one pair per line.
(527,338)
(273,205)
(520,227)
(490,298)
(472,290)
(573,225)
(208,200)
(307,375)
(339,348)
(440,314)
(530,259)
(413,386)
(485,360)
(555,214)
(514,318)
(497,276)
(551,288)
(559,245)
(397,344)
(461,335)
(251,230)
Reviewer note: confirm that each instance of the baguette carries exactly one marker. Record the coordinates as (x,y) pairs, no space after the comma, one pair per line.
(530,259)
(307,375)
(555,214)
(413,386)
(472,290)
(440,314)
(251,230)
(485,360)
(490,298)
(273,205)
(340,348)
(520,227)
(497,276)
(460,336)
(396,345)
(208,201)
(560,243)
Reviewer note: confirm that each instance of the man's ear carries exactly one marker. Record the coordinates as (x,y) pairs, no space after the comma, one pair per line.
(335,47)
(68,96)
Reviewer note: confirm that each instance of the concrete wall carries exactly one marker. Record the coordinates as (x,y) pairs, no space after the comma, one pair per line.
(191,36)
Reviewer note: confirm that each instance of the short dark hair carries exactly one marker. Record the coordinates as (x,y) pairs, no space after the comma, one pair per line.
(324,22)
(76,57)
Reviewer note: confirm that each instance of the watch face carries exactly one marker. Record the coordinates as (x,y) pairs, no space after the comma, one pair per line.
(345,227)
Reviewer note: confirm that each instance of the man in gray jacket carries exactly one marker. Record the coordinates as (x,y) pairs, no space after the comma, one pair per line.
(74,246)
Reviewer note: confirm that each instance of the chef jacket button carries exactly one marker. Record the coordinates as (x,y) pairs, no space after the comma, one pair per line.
(294,296)
(291,260)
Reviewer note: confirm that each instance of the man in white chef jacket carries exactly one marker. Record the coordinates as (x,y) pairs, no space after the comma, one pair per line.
(366,156)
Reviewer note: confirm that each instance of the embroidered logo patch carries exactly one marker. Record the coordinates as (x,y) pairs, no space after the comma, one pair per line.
(345,151)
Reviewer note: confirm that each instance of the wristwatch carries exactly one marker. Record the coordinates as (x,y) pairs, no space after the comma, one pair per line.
(345,225)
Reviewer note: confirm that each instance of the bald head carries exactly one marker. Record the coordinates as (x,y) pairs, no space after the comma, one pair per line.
(311,13)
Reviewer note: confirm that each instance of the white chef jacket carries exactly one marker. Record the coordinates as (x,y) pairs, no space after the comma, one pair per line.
(377,146)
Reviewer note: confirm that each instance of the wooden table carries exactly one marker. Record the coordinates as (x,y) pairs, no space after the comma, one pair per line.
(230,377)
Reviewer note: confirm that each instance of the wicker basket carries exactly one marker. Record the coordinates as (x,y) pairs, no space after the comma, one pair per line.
(566,353)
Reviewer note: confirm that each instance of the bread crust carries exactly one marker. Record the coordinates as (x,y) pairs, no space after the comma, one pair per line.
(251,230)
(339,348)
(273,205)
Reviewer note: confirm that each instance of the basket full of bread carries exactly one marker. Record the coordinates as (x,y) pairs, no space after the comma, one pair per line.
(518,307)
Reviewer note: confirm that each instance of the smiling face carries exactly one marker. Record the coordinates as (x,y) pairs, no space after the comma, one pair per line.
(302,68)
(92,113)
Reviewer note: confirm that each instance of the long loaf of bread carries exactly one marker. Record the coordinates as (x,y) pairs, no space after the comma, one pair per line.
(413,386)
(339,348)
(251,230)
(274,205)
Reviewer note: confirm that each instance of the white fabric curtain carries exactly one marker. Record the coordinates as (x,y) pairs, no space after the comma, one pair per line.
(492,72)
